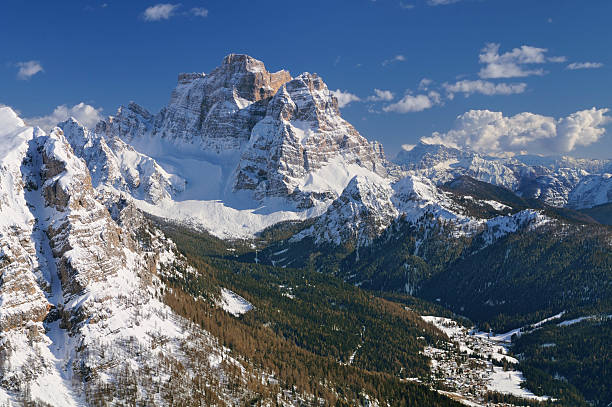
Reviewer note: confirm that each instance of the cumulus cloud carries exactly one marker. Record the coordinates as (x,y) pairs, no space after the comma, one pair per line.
(344,97)
(199,12)
(493,133)
(160,12)
(414,103)
(513,64)
(85,114)
(28,69)
(584,65)
(381,95)
(397,58)
(468,87)
(406,6)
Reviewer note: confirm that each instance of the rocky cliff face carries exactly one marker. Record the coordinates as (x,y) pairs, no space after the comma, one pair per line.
(22,282)
(219,110)
(301,133)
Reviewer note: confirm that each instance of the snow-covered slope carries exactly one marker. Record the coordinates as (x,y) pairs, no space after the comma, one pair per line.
(592,190)
(113,164)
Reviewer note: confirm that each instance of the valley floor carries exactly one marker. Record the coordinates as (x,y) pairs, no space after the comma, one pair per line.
(473,364)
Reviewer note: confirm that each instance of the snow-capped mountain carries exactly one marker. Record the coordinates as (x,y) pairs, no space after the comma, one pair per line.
(552,180)
(270,131)
(592,190)
(359,215)
(273,148)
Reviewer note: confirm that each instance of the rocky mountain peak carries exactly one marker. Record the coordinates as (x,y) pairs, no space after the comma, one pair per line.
(310,99)
(76,134)
(303,148)
(247,77)
(358,215)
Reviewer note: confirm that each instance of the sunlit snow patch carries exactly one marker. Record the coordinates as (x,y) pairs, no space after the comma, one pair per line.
(233,303)
(509,382)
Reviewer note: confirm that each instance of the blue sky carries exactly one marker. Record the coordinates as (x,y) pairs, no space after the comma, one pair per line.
(508,56)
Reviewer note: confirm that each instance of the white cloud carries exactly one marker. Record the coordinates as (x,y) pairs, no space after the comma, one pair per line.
(85,114)
(344,98)
(493,133)
(512,64)
(28,69)
(414,103)
(424,84)
(397,58)
(468,87)
(584,65)
(160,12)
(199,12)
(381,95)
(496,70)
(441,2)
(557,59)
(408,147)
(406,6)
